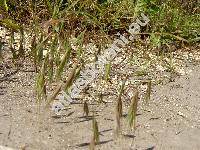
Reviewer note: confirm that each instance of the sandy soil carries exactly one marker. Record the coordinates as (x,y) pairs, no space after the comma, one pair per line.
(170,121)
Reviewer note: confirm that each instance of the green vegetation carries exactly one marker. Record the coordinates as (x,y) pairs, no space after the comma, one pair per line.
(52,24)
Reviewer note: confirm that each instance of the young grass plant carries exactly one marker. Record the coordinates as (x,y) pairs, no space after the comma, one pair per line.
(21,52)
(63,62)
(148,91)
(119,108)
(34,52)
(12,39)
(64,85)
(71,77)
(107,71)
(85,109)
(95,136)
(131,117)
(40,82)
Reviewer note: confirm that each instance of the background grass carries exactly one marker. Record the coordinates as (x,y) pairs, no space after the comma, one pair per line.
(51,23)
(59,29)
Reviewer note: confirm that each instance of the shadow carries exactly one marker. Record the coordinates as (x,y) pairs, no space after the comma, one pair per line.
(62,122)
(79,103)
(108,119)
(2,93)
(154,118)
(23,70)
(2,90)
(60,116)
(151,148)
(71,113)
(129,136)
(56,116)
(5,115)
(86,119)
(125,115)
(105,130)
(6,77)
(2,87)
(87,144)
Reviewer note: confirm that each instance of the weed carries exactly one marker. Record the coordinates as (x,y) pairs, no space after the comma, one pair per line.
(132,110)
(85,109)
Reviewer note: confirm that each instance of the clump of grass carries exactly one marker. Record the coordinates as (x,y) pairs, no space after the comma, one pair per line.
(40,83)
(85,109)
(119,108)
(118,115)
(12,45)
(71,77)
(107,71)
(95,135)
(63,85)
(133,110)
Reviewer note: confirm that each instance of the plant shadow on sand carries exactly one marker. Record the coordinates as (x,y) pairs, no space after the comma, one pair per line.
(88,118)
(87,144)
(61,116)
(2,90)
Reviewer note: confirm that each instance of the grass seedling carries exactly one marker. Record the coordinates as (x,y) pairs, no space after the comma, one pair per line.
(119,108)
(71,77)
(85,109)
(132,110)
(95,136)
(107,71)
(95,130)
(63,85)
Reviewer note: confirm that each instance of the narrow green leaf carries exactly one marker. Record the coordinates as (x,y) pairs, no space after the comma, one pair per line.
(107,71)
(64,60)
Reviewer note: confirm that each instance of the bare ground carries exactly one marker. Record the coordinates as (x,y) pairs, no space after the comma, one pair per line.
(171,120)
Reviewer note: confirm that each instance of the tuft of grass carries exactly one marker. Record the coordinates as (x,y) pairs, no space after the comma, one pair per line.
(107,71)
(71,77)
(40,82)
(131,117)
(118,115)
(95,136)
(95,130)
(63,85)
(119,108)
(12,39)
(85,109)
(21,52)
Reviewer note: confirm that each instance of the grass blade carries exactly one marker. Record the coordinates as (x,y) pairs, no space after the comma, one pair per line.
(107,71)
(63,62)
(95,130)
(119,109)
